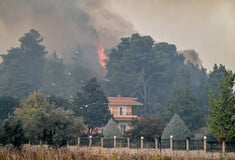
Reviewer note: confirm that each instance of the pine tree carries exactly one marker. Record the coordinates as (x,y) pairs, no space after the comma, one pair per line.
(92,104)
(221,119)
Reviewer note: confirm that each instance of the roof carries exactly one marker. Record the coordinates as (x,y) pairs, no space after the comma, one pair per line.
(123,101)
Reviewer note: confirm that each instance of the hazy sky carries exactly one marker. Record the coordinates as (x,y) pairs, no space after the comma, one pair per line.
(207,26)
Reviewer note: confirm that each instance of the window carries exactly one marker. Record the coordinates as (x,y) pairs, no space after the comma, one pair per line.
(122,110)
(123,128)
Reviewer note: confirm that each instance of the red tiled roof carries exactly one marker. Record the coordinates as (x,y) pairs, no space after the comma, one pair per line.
(123,101)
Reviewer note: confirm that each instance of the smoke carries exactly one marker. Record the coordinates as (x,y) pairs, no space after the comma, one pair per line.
(191,56)
(66,26)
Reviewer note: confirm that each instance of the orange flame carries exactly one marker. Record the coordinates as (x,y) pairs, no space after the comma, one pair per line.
(102,56)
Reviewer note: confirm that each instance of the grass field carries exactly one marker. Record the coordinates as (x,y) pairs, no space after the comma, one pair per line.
(93,153)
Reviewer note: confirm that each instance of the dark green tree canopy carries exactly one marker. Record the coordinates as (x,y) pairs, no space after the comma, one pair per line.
(147,70)
(12,132)
(7,106)
(177,128)
(92,104)
(185,105)
(22,68)
(149,128)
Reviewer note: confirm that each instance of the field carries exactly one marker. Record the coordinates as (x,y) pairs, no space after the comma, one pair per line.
(97,153)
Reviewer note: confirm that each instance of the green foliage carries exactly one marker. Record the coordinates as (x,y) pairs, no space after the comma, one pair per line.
(177,128)
(43,121)
(61,102)
(111,129)
(149,128)
(22,68)
(7,106)
(92,104)
(11,132)
(221,119)
(147,70)
(215,76)
(185,105)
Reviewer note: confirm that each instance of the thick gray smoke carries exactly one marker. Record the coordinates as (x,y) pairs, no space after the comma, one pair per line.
(66,25)
(193,57)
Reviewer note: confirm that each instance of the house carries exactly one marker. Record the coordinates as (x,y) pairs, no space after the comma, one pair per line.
(121,109)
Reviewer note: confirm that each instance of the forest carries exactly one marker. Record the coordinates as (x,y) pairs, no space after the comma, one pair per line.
(37,86)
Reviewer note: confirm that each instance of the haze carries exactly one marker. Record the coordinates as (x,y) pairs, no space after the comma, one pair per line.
(207,26)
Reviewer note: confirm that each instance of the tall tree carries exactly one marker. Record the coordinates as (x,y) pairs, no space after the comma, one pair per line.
(215,76)
(185,105)
(22,67)
(221,119)
(92,104)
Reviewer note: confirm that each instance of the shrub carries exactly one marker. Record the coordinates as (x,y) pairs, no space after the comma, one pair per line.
(177,128)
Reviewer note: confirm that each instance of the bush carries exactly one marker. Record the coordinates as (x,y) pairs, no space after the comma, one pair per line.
(177,128)
(111,129)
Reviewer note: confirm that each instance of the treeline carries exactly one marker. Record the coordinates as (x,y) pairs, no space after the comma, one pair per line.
(156,73)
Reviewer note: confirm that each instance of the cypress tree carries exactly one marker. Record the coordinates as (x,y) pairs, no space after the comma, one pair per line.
(177,128)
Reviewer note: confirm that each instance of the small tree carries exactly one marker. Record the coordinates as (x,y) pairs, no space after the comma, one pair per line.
(111,130)
(177,128)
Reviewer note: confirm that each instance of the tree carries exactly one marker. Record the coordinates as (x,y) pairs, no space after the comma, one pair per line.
(92,104)
(22,68)
(63,126)
(54,77)
(147,70)
(221,119)
(111,129)
(177,128)
(43,121)
(7,106)
(12,132)
(185,105)
(215,76)
(149,128)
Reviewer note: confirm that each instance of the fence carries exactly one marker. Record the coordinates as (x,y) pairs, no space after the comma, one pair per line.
(157,143)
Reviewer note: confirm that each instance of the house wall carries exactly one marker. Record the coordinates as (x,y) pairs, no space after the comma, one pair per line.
(115,110)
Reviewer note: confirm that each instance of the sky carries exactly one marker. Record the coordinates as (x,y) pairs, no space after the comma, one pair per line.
(206,26)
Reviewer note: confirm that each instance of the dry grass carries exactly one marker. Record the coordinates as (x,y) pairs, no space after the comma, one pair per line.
(45,153)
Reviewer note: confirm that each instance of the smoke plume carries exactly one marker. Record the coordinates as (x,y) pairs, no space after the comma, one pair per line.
(193,57)
(67,26)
